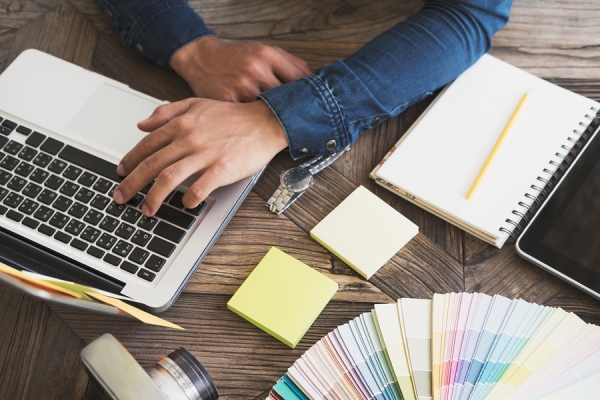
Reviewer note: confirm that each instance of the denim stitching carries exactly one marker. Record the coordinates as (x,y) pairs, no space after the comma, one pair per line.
(148,16)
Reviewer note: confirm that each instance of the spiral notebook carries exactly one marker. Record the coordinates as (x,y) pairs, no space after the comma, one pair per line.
(435,163)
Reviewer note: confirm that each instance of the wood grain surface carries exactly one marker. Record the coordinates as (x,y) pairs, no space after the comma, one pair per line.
(40,343)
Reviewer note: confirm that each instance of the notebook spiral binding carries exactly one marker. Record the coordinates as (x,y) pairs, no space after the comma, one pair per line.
(517,225)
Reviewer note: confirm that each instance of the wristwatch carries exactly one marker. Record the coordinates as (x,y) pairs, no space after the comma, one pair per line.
(297,180)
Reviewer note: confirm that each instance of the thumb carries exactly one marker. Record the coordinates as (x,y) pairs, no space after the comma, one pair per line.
(165,113)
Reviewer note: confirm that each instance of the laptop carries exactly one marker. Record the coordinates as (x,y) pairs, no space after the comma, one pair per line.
(63,130)
(564,235)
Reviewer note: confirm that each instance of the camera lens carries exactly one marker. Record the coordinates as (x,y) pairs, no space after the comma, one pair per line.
(179,374)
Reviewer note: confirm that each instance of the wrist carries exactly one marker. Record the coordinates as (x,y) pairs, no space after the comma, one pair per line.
(185,60)
(271,129)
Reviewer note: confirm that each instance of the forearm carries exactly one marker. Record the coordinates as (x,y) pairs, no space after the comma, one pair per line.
(155,29)
(388,74)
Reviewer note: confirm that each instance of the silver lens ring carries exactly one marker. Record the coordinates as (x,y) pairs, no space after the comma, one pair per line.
(180,377)
(188,366)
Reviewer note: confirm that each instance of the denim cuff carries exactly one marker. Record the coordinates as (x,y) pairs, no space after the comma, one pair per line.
(160,30)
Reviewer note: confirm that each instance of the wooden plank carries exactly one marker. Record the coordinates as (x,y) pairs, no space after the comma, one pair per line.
(242,360)
(64,33)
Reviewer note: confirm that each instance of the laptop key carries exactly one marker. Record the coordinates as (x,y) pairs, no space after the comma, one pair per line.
(24,169)
(32,190)
(109,224)
(9,163)
(114,260)
(4,177)
(15,216)
(100,202)
(90,234)
(28,206)
(3,193)
(62,237)
(90,162)
(57,166)
(131,215)
(136,200)
(141,238)
(27,154)
(16,184)
(42,160)
(43,213)
(35,139)
(115,209)
(3,141)
(169,232)
(87,179)
(147,223)
(13,147)
(47,196)
(102,185)
(30,223)
(93,217)
(62,203)
(79,244)
(84,195)
(196,210)
(74,227)
(9,124)
(138,255)
(106,241)
(78,210)
(155,263)
(69,188)
(4,130)
(129,267)
(124,230)
(23,130)
(147,275)
(52,146)
(176,200)
(96,252)
(59,220)
(161,247)
(54,182)
(3,210)
(122,248)
(39,175)
(72,172)
(46,230)
(13,200)
(175,217)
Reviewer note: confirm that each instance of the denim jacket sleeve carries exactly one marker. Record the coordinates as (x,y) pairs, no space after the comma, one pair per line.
(326,111)
(155,29)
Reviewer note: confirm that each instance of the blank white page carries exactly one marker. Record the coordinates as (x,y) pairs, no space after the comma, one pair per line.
(439,158)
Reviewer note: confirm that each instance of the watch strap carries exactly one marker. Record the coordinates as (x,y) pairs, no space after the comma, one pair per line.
(319,163)
(282,199)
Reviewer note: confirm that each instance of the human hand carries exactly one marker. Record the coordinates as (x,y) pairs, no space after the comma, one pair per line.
(235,72)
(223,142)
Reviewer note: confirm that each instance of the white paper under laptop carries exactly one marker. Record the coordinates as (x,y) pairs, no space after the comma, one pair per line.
(97,115)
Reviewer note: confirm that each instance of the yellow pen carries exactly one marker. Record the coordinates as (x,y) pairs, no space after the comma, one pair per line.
(497,146)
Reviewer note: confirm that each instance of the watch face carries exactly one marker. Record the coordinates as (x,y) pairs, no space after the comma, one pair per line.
(296,179)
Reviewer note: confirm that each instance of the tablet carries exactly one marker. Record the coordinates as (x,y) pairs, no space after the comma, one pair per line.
(564,235)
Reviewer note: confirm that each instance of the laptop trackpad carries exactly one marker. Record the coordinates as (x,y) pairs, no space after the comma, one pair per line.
(108,120)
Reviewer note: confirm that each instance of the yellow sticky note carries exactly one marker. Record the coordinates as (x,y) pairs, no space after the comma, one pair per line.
(364,231)
(283,296)
(135,312)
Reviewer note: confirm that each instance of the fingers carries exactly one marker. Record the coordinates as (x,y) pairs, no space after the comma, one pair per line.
(199,191)
(164,114)
(167,181)
(155,164)
(292,68)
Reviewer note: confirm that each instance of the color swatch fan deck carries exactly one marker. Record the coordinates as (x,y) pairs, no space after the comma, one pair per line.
(456,346)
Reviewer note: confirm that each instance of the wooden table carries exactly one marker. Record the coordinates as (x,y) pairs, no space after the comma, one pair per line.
(40,343)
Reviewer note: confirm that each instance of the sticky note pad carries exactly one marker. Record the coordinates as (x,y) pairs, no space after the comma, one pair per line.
(364,231)
(283,296)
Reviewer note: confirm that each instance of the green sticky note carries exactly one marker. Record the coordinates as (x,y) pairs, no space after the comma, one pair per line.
(364,231)
(283,296)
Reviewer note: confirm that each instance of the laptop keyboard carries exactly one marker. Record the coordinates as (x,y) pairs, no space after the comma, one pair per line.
(66,193)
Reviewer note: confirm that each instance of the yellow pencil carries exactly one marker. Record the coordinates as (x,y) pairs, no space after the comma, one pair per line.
(497,146)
